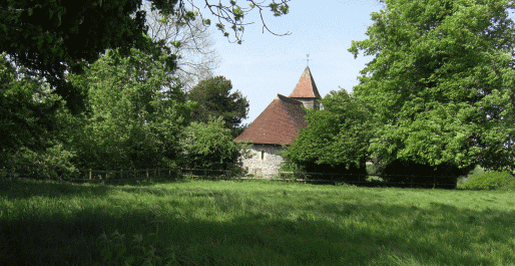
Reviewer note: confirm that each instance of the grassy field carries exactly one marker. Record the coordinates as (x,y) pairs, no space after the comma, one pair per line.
(252,223)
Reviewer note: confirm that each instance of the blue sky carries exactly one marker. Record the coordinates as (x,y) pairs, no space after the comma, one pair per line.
(265,65)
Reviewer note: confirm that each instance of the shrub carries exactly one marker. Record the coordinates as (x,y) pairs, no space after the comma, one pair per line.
(52,163)
(491,180)
(211,146)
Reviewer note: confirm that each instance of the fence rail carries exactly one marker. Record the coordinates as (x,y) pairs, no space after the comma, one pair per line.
(92,174)
(87,175)
(372,180)
(37,171)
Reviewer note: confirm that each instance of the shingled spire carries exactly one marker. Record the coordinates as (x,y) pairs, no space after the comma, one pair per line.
(278,125)
(306,91)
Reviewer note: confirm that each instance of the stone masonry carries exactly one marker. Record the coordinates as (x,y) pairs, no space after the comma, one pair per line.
(265,162)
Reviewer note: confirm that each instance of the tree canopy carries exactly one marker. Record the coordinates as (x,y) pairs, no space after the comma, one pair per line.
(210,146)
(336,138)
(441,82)
(99,58)
(215,99)
(27,112)
(192,43)
(55,37)
(134,113)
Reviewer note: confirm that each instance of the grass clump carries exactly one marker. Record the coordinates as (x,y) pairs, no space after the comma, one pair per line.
(490,181)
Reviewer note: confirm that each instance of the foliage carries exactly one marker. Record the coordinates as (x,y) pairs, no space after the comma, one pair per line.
(214,99)
(56,37)
(135,113)
(336,138)
(55,162)
(118,109)
(252,223)
(31,140)
(210,146)
(191,42)
(26,111)
(441,83)
(61,36)
(234,15)
(477,171)
(491,180)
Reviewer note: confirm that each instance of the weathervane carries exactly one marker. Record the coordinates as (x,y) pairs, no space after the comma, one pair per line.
(307,59)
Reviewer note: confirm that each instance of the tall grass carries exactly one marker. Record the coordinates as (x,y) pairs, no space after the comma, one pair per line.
(252,223)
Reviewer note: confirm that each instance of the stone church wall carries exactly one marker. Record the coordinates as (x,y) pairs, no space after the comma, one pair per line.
(265,162)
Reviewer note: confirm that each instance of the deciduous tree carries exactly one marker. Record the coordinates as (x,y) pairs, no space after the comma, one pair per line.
(210,146)
(55,37)
(441,82)
(135,113)
(191,42)
(215,99)
(30,127)
(336,138)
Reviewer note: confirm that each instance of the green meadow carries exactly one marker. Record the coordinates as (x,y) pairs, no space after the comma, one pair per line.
(252,223)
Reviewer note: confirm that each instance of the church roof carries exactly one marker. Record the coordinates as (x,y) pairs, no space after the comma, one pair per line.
(306,87)
(278,124)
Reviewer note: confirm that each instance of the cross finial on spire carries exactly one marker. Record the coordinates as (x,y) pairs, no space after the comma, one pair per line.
(307,59)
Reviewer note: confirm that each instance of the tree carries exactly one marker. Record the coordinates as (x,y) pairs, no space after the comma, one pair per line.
(29,124)
(134,115)
(26,113)
(441,83)
(210,146)
(190,42)
(214,99)
(336,138)
(55,37)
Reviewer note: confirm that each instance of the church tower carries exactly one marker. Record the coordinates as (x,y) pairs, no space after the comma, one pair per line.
(306,91)
(277,126)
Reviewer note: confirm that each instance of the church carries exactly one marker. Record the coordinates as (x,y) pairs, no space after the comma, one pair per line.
(277,126)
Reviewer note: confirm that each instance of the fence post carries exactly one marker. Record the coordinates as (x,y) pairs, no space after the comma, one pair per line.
(90,173)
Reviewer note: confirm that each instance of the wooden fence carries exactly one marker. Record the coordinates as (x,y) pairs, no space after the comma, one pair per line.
(92,175)
(139,174)
(431,181)
(36,171)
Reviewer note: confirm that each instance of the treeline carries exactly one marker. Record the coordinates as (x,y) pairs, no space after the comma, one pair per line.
(437,99)
(94,85)
(130,113)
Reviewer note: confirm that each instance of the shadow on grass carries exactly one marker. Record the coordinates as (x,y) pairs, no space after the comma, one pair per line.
(318,234)
(27,188)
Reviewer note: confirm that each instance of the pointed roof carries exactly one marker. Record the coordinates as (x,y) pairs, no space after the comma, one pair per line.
(278,124)
(306,87)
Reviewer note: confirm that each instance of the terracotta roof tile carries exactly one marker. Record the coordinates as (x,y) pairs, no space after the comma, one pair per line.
(278,124)
(306,87)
